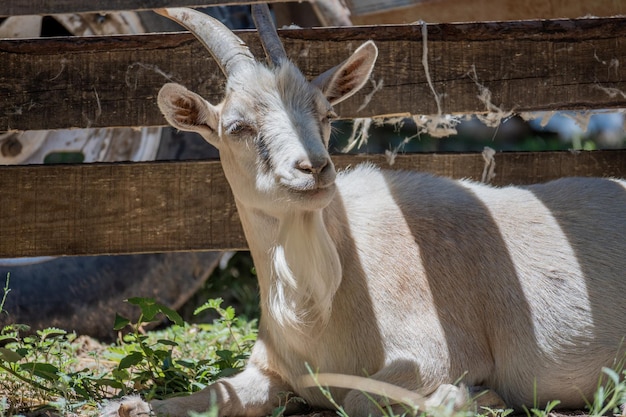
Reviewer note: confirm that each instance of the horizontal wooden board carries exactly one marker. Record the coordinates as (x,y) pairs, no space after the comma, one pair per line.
(526,66)
(431,11)
(47,7)
(366,12)
(188,206)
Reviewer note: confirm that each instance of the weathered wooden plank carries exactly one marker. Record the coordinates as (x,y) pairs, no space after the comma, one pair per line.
(372,12)
(47,7)
(527,66)
(116,208)
(368,12)
(170,206)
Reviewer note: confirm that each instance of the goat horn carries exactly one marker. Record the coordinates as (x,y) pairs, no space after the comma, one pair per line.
(228,50)
(267,32)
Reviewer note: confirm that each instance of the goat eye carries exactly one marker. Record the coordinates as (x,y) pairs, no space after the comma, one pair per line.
(236,127)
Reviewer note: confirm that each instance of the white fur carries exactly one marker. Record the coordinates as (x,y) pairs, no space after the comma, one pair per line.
(306,272)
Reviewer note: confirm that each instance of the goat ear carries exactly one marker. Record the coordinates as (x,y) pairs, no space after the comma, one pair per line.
(186,110)
(350,76)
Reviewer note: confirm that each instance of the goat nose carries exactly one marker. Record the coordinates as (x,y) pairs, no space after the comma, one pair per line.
(311,167)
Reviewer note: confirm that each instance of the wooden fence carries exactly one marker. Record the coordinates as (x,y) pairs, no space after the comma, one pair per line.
(527,66)
(107,81)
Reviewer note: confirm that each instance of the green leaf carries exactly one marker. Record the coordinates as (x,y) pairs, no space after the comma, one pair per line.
(9,338)
(172,315)
(9,355)
(107,382)
(141,301)
(130,360)
(23,351)
(227,355)
(167,342)
(613,376)
(226,372)
(120,374)
(210,304)
(148,306)
(148,351)
(149,311)
(120,322)
(186,364)
(229,313)
(42,370)
(20,327)
(51,331)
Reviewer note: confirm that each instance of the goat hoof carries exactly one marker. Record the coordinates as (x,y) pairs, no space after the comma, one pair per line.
(128,407)
(447,394)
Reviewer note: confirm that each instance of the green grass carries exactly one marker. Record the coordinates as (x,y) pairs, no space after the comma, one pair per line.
(61,371)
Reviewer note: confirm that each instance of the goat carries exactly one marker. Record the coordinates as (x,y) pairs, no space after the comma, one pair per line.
(407,278)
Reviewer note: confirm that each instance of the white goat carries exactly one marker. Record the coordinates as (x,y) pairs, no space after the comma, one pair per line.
(407,278)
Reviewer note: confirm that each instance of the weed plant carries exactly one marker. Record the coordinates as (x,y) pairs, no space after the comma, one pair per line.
(48,369)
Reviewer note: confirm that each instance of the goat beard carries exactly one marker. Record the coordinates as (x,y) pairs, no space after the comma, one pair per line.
(306,273)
